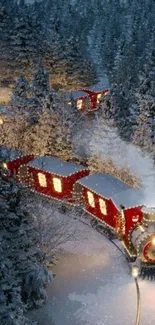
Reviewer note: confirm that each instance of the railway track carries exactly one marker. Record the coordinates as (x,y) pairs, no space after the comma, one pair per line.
(108,235)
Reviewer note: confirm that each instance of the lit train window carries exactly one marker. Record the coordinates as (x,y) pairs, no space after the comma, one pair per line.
(57,184)
(42,180)
(103,207)
(98,98)
(5,165)
(91,199)
(79,103)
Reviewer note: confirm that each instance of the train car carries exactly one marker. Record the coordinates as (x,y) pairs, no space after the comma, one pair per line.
(86,100)
(51,177)
(95,98)
(109,201)
(97,191)
(13,161)
(121,208)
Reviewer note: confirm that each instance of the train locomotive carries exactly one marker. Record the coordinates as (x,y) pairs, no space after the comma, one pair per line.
(113,205)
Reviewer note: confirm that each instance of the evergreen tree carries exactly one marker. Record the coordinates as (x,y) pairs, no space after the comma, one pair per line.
(21,92)
(26,41)
(7,12)
(144,133)
(50,135)
(40,88)
(22,273)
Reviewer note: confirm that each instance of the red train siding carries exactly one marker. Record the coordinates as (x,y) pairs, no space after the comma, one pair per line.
(93,102)
(112,211)
(67,183)
(14,165)
(129,223)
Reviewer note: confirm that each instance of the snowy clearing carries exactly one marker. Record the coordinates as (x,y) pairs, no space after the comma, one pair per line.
(93,286)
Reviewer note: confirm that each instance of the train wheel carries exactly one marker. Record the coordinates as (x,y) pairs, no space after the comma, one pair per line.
(148,274)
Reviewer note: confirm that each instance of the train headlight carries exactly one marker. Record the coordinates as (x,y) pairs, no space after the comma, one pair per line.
(135,272)
(153,241)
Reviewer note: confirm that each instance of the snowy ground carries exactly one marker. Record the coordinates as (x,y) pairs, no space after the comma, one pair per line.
(93,286)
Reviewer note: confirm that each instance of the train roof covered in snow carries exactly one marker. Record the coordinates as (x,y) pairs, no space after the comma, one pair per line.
(110,187)
(75,94)
(55,166)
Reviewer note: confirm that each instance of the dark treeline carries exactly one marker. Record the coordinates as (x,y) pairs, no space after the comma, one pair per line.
(31,33)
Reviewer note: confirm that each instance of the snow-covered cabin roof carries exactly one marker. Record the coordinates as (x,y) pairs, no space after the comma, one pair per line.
(55,166)
(111,187)
(75,94)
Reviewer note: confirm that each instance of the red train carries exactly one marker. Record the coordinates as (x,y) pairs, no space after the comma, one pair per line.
(86,100)
(113,204)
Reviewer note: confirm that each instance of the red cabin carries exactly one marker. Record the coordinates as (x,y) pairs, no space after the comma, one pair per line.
(52,177)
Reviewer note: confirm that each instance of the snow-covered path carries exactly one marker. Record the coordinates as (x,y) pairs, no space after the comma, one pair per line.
(93,286)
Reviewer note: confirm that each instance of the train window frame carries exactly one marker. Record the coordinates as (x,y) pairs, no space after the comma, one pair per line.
(103,206)
(91,199)
(42,180)
(57,184)
(79,104)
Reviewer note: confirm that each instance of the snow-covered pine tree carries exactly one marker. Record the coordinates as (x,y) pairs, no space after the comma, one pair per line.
(22,262)
(79,70)
(21,92)
(13,130)
(11,305)
(25,41)
(40,88)
(50,135)
(7,11)
(144,132)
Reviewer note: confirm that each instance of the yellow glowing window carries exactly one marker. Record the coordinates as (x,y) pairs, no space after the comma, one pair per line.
(42,180)
(57,184)
(103,207)
(98,98)
(1,121)
(79,103)
(91,199)
(5,165)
